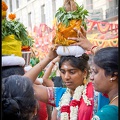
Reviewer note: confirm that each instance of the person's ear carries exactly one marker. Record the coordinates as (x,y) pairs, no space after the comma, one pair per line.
(35,112)
(114,76)
(85,73)
(36,108)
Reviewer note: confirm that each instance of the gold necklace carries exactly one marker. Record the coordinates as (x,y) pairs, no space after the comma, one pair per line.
(113,99)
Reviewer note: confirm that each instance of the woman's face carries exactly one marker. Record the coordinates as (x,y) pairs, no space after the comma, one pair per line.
(71,76)
(100,81)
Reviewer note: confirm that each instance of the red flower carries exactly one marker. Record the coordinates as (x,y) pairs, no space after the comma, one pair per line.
(65,108)
(74,103)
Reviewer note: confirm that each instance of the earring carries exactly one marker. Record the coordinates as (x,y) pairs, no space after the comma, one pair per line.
(34,116)
(85,81)
(111,79)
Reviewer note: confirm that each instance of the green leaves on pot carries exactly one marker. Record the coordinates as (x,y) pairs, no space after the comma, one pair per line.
(18,29)
(65,17)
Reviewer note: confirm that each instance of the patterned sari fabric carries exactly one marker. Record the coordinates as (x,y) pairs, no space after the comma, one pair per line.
(85,112)
(107,112)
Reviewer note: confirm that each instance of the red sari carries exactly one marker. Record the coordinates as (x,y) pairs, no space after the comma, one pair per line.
(84,112)
(42,111)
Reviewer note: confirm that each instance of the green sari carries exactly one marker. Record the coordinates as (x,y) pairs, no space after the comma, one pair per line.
(108,112)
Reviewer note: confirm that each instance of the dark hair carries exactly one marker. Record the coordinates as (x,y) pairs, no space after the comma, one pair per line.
(12,70)
(77,62)
(107,59)
(18,101)
(57,81)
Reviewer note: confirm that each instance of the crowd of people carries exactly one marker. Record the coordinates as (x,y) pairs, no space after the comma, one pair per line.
(84,88)
(75,101)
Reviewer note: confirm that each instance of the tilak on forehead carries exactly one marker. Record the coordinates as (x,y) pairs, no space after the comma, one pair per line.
(65,66)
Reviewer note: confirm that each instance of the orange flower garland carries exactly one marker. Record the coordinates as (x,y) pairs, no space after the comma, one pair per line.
(103,29)
(12,16)
(64,32)
(4,9)
(4,6)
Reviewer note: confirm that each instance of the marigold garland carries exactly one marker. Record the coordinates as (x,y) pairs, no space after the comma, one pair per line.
(103,29)
(4,6)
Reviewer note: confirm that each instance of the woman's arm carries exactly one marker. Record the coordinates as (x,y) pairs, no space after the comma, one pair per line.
(54,114)
(83,41)
(41,93)
(46,81)
(33,73)
(40,90)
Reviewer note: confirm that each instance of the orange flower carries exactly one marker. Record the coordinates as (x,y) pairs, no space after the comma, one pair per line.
(4,6)
(12,16)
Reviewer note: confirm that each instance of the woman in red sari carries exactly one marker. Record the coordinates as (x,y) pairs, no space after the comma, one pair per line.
(77,100)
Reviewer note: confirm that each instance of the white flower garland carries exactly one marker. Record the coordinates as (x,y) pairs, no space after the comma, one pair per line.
(65,100)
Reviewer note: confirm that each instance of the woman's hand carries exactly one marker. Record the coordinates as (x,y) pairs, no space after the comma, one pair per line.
(56,59)
(81,39)
(52,52)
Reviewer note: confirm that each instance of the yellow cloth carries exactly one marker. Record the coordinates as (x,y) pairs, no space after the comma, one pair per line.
(63,32)
(4,13)
(11,46)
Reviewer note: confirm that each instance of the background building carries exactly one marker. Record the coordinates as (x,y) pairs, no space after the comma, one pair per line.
(35,12)
(38,17)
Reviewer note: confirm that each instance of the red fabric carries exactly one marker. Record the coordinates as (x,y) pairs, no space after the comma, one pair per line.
(74,103)
(105,95)
(42,112)
(86,112)
(65,109)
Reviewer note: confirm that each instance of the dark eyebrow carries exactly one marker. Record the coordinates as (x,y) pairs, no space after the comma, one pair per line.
(71,69)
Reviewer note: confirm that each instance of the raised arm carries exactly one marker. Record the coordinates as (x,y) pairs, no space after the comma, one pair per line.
(83,41)
(46,81)
(40,90)
(33,73)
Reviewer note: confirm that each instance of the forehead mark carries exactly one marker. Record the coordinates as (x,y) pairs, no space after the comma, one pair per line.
(65,66)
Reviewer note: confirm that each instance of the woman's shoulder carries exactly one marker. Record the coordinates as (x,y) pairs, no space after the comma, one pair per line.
(58,92)
(107,112)
(90,89)
(110,108)
(106,108)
